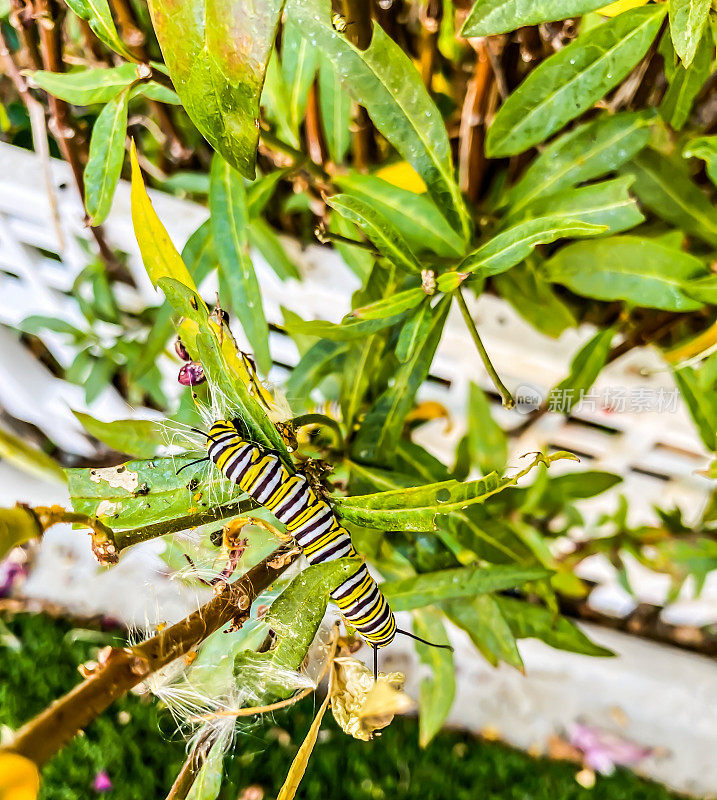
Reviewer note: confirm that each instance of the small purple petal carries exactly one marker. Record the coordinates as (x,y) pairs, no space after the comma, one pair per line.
(603,750)
(191,374)
(102,782)
(10,571)
(181,350)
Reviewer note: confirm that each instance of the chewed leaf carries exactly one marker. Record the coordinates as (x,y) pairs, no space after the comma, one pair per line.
(362,705)
(420,508)
(143,492)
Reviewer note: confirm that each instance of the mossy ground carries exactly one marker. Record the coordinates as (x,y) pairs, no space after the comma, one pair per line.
(142,754)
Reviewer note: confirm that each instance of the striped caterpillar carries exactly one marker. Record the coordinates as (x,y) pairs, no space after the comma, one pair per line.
(310,520)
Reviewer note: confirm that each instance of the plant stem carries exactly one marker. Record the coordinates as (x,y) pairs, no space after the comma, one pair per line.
(120,669)
(508,400)
(300,159)
(188,774)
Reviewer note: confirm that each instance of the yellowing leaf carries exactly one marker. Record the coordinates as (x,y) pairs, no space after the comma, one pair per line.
(403,175)
(362,705)
(19,778)
(619,6)
(298,765)
(160,256)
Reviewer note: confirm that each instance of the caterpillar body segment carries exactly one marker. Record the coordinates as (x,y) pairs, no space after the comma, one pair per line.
(309,518)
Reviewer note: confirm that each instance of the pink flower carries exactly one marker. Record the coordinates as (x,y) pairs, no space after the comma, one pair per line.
(102,782)
(603,751)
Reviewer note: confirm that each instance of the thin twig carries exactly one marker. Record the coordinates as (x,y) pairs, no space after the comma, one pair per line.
(507,397)
(120,669)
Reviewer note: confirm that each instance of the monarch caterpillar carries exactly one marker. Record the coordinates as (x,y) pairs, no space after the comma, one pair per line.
(312,522)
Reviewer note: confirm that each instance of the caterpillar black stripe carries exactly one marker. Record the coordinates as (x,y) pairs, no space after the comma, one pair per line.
(309,518)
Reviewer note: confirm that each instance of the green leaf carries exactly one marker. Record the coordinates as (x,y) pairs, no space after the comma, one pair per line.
(448,584)
(414,215)
(349,330)
(29,459)
(227,203)
(275,102)
(437,691)
(422,508)
(585,368)
(384,81)
(413,331)
(335,110)
(104,165)
(265,239)
(299,62)
(640,271)
(217,53)
(319,361)
(161,259)
(381,428)
(589,151)
(156,91)
(378,229)
(97,13)
(530,621)
(666,189)
(515,244)
(686,82)
(487,444)
(701,402)
(489,17)
(294,617)
(607,204)
(572,80)
(137,437)
(704,147)
(482,620)
(534,299)
(261,191)
(17,526)
(87,86)
(143,492)
(688,19)
(392,305)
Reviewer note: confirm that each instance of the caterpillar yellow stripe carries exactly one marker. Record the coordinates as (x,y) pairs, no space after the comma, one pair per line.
(309,518)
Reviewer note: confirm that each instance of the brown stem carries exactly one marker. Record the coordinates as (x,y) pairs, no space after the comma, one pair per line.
(120,669)
(314,136)
(430,16)
(190,769)
(359,30)
(471,156)
(22,19)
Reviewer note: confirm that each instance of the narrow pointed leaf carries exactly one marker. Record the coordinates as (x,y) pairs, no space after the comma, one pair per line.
(160,256)
(607,204)
(640,271)
(437,691)
(588,151)
(688,19)
(433,587)
(378,229)
(335,107)
(584,368)
(384,81)
(104,165)
(87,86)
(392,305)
(415,216)
(97,13)
(227,203)
(136,437)
(665,187)
(686,82)
(489,17)
(572,80)
(515,244)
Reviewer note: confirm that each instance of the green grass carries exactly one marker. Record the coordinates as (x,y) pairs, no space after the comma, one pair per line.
(143,755)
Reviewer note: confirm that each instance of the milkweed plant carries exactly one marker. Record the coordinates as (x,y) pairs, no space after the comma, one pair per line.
(558,154)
